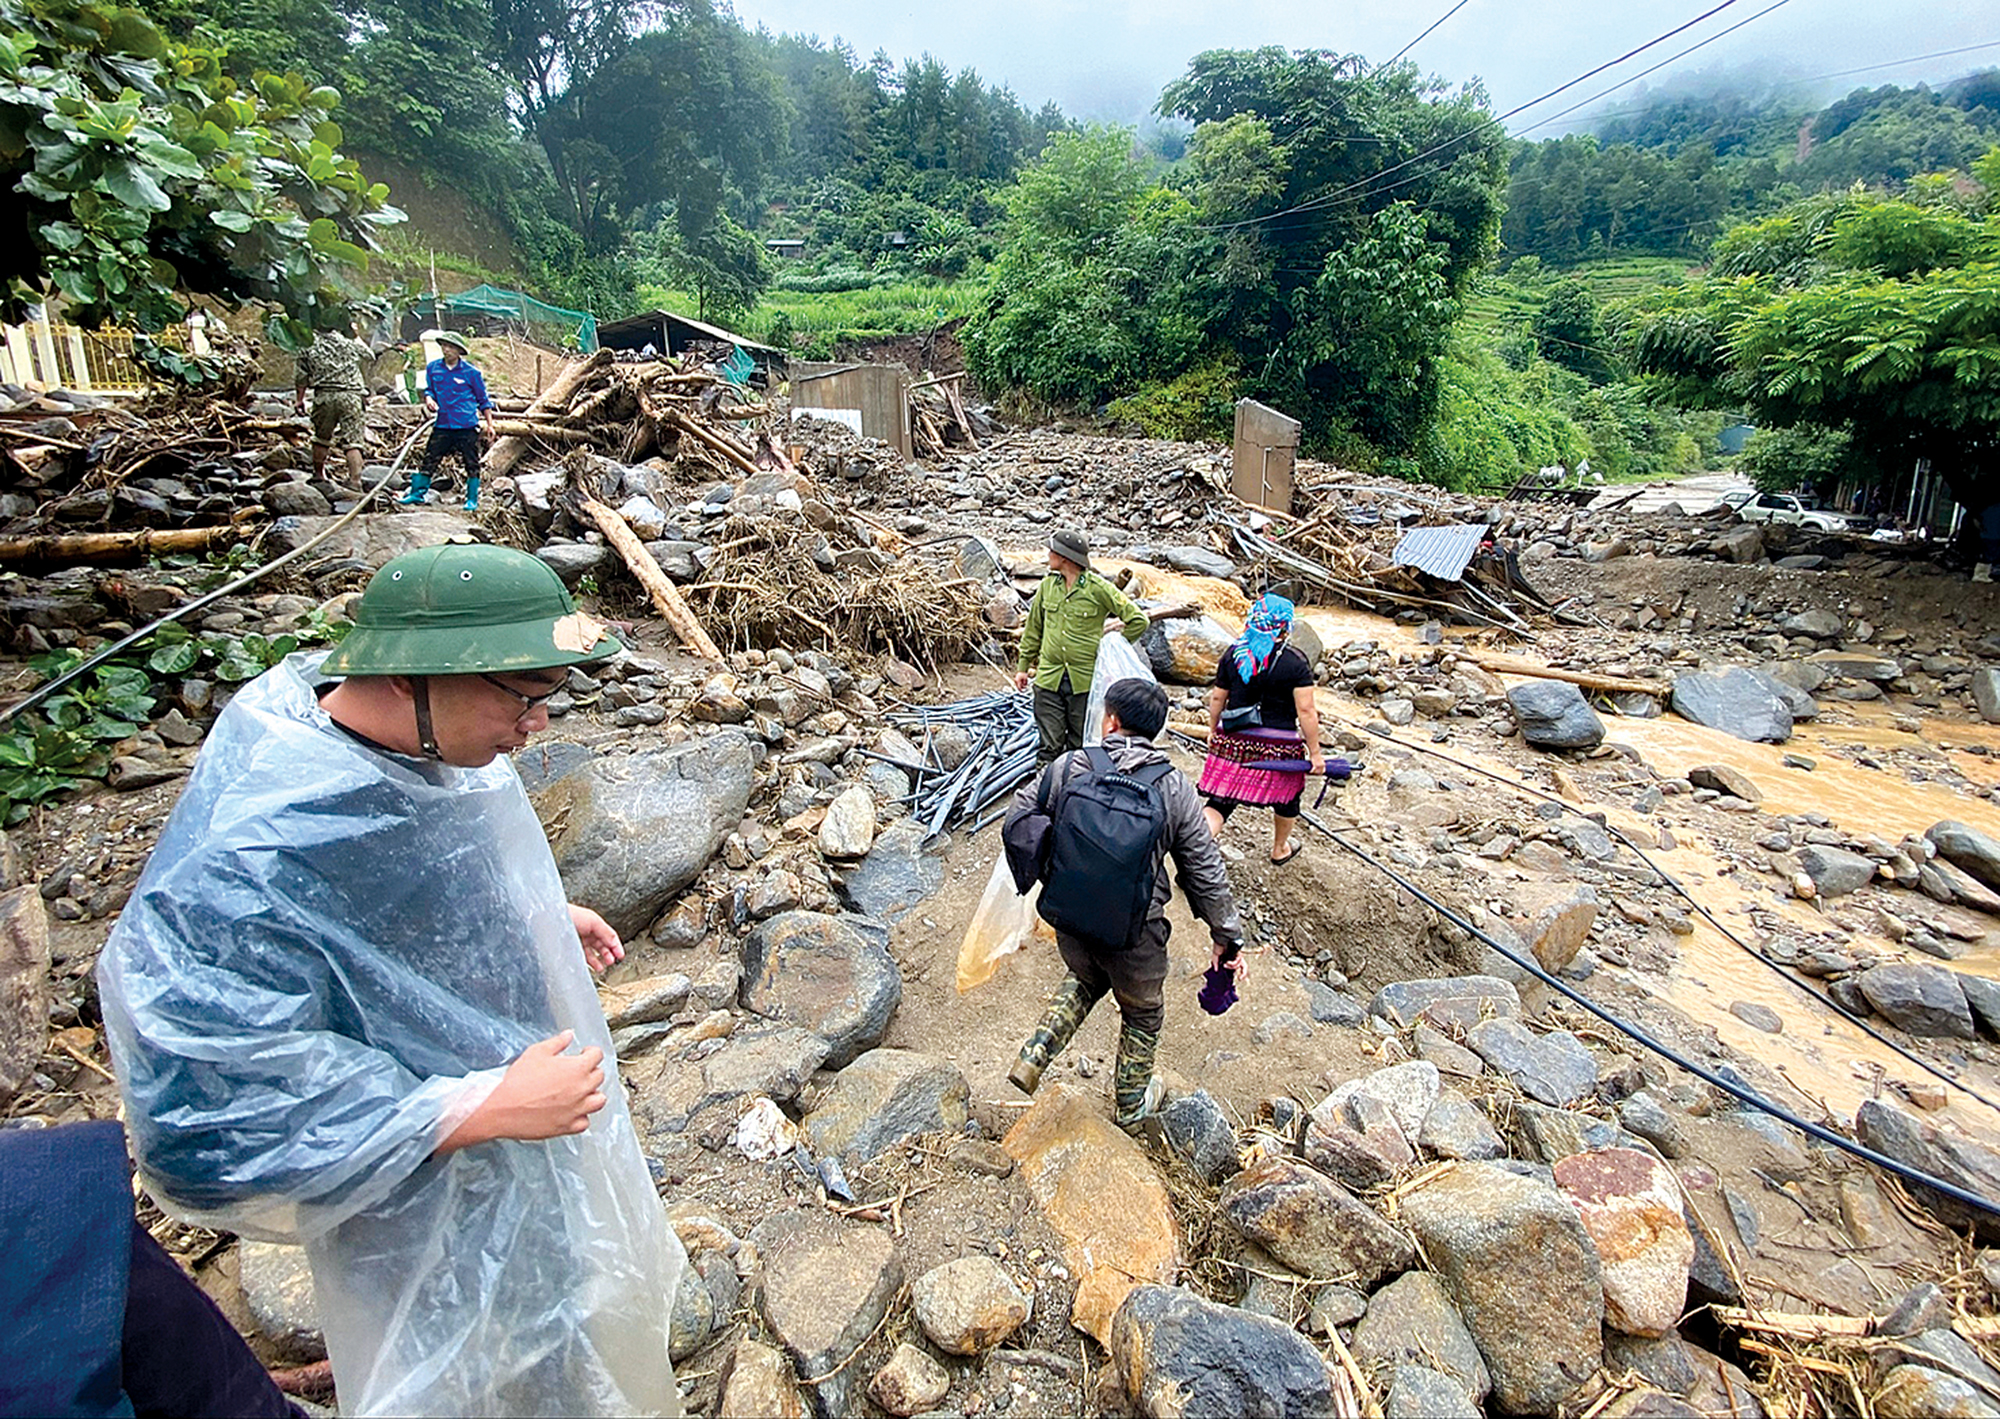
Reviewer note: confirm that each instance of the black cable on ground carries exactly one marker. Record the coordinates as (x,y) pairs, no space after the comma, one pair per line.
(1777,967)
(1672,1056)
(42,692)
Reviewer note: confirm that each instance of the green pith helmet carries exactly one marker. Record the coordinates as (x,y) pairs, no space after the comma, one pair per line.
(466,608)
(447,337)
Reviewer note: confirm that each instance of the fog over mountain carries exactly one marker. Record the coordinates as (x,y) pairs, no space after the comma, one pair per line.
(1107,59)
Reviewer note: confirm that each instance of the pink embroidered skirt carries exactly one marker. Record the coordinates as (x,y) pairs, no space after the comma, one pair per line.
(1227,772)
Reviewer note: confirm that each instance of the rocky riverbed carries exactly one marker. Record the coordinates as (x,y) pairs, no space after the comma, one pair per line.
(1402,1176)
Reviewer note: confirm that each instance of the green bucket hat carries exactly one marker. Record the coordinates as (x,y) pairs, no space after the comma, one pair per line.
(466,608)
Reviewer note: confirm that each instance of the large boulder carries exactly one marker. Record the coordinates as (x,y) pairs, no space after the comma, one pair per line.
(1198,561)
(1834,871)
(1465,999)
(1924,1000)
(1182,1357)
(277,1284)
(1200,1133)
(1734,701)
(826,1286)
(1986,694)
(898,872)
(1554,1068)
(1103,1197)
(1186,649)
(369,541)
(1312,1224)
(882,1098)
(1514,1258)
(831,975)
(1553,714)
(1406,1091)
(1558,919)
(24,985)
(1412,1321)
(629,832)
(1631,1207)
(1968,849)
(1920,1392)
(1948,1157)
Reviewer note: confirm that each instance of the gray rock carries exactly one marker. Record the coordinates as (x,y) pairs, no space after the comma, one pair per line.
(1513,1257)
(979,559)
(1199,1132)
(831,975)
(1741,545)
(574,560)
(1560,923)
(1334,1307)
(911,1383)
(1412,1321)
(950,745)
(1402,1002)
(643,1002)
(883,1098)
(1835,871)
(1735,701)
(1450,1057)
(1405,1091)
(1555,1134)
(1554,1068)
(1919,1392)
(1312,1224)
(1457,1129)
(848,830)
(1553,714)
(630,832)
(896,874)
(295,499)
(692,1317)
(1924,1000)
(1724,779)
(1645,1117)
(1820,624)
(1757,1017)
(774,1060)
(1801,704)
(277,1287)
(1983,996)
(1418,1393)
(968,1305)
(24,987)
(1198,561)
(371,541)
(1332,1007)
(1986,694)
(1182,1357)
(1968,849)
(826,1285)
(757,1383)
(1949,1157)
(1876,668)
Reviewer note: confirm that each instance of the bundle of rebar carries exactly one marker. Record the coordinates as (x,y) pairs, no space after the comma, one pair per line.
(1001,724)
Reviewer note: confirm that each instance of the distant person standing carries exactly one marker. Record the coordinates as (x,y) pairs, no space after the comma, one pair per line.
(331,368)
(455,393)
(1059,642)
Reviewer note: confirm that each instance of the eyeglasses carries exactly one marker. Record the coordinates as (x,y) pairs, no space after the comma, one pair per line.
(529,703)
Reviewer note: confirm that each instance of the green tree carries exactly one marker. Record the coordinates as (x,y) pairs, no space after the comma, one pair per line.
(1805,329)
(146,173)
(1567,330)
(1802,456)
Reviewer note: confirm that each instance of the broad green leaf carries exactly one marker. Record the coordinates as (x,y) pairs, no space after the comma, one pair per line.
(173,659)
(134,186)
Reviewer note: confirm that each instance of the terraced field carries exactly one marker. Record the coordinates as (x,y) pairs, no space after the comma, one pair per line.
(1497,304)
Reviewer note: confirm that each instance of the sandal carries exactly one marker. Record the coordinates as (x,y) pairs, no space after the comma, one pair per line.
(1297,848)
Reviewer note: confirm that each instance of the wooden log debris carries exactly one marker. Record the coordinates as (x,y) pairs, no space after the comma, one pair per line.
(508,451)
(673,610)
(1608,684)
(109,546)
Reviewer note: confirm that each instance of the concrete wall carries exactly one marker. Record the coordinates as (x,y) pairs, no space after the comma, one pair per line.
(880,392)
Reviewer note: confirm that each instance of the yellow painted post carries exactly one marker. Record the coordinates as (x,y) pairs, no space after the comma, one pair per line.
(45,355)
(79,362)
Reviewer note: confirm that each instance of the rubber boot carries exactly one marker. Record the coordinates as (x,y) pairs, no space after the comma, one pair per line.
(420,489)
(472,493)
(1983,572)
(1135,1090)
(1067,1009)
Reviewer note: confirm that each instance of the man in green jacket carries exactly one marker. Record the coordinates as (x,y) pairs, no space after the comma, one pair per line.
(1059,643)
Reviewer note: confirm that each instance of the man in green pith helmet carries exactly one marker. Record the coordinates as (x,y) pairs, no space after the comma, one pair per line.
(1059,641)
(351,1008)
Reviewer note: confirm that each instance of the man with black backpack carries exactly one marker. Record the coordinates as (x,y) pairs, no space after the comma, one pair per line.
(1112,814)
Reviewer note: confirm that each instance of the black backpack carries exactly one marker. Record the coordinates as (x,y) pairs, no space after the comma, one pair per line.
(1104,852)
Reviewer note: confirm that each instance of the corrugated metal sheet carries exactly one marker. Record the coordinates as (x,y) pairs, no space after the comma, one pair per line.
(1442,552)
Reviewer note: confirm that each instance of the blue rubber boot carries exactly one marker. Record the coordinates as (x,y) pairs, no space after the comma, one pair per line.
(420,489)
(472,493)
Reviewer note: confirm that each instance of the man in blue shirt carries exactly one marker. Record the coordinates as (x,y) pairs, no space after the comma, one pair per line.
(455,393)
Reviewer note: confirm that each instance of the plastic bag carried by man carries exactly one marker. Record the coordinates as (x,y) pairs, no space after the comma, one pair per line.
(350,1007)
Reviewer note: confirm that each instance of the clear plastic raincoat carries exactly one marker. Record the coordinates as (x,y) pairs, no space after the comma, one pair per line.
(330,960)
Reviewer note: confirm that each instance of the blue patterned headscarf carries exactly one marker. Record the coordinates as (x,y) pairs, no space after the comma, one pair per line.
(1270,618)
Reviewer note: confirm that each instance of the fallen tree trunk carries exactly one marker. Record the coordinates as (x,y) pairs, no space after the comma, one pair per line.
(508,451)
(673,610)
(1609,684)
(554,433)
(677,419)
(90,546)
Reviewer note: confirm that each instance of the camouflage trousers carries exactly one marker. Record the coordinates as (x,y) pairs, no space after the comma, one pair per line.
(339,417)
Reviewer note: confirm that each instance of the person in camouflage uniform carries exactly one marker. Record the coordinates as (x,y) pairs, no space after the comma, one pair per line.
(331,368)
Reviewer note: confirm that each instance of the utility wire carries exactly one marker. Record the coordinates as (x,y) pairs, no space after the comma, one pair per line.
(1422,37)
(1326,198)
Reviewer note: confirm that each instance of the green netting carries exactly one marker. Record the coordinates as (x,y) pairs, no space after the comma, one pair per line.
(492,300)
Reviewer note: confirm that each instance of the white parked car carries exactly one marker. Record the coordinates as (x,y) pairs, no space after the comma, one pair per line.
(1784,508)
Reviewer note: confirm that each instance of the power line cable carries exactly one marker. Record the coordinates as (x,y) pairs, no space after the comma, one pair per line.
(1325,198)
(1422,37)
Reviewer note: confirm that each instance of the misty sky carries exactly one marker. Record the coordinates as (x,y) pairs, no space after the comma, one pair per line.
(1107,59)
